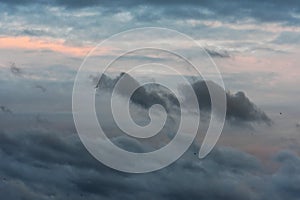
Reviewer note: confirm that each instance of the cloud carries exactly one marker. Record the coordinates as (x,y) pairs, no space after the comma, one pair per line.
(287,37)
(141,100)
(217,53)
(40,120)
(239,106)
(15,70)
(60,167)
(204,21)
(287,178)
(42,88)
(233,10)
(144,96)
(5,109)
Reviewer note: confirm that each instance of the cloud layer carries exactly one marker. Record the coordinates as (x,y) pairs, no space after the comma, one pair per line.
(46,165)
(270,10)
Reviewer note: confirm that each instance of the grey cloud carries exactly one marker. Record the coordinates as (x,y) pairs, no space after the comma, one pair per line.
(40,87)
(5,109)
(34,32)
(217,53)
(288,38)
(239,106)
(45,149)
(144,96)
(47,165)
(15,70)
(19,1)
(232,10)
(41,120)
(286,181)
(141,100)
(72,24)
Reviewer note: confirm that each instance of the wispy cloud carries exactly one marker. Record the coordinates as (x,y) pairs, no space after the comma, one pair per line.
(6,109)
(16,70)
(40,87)
(217,53)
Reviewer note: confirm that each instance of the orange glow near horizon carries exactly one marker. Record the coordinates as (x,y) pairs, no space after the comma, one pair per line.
(44,44)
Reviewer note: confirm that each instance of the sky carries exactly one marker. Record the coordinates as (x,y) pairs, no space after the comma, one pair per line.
(254,44)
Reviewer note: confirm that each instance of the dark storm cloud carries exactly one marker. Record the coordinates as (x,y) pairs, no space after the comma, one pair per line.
(232,10)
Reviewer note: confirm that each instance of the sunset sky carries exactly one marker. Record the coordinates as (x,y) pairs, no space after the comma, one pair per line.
(255,45)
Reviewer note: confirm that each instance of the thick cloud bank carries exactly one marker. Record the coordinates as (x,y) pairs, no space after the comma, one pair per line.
(39,164)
